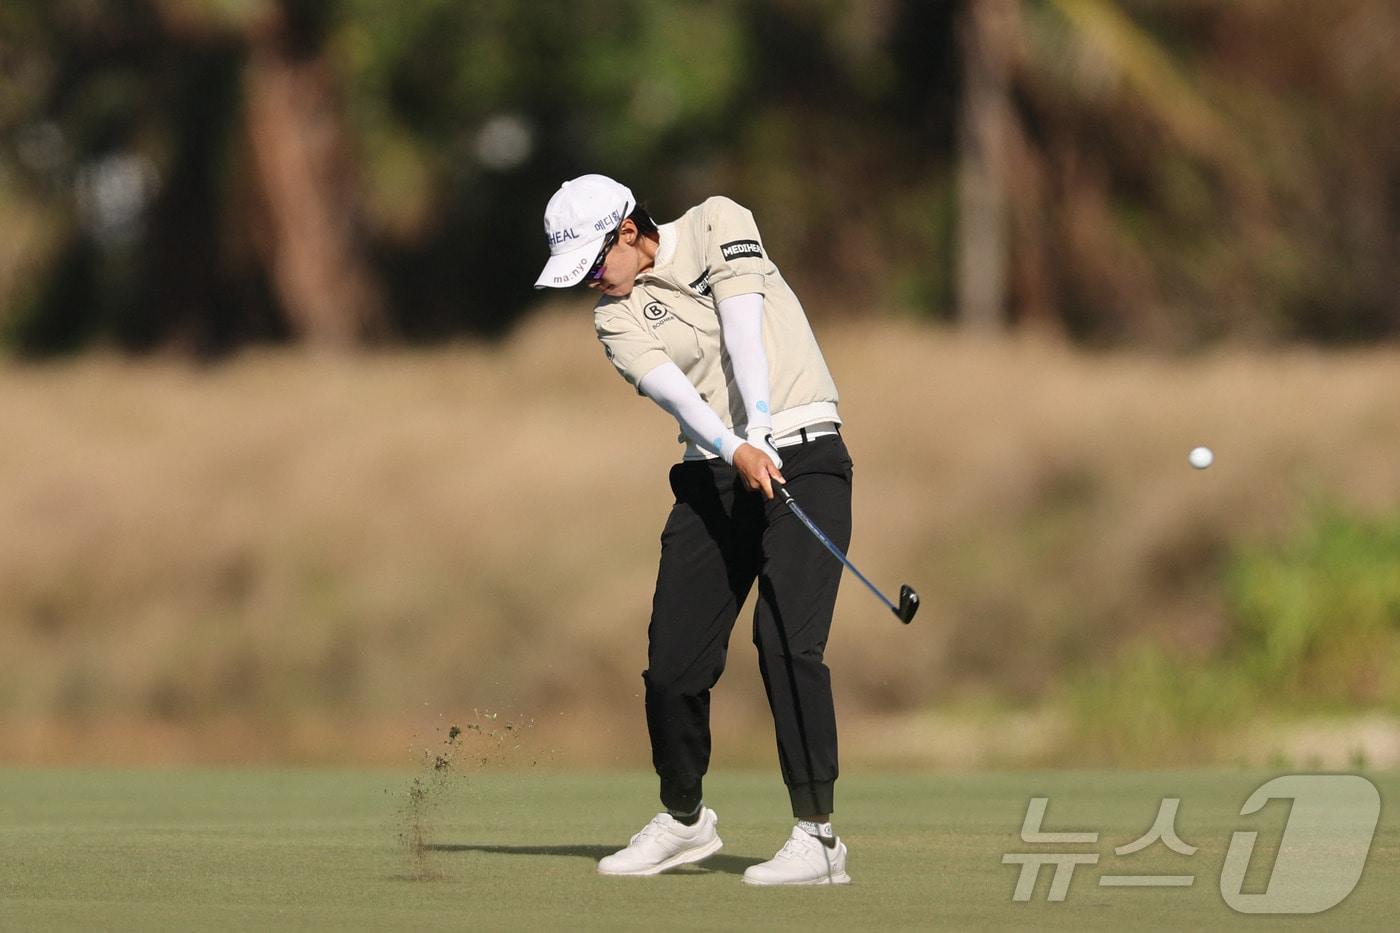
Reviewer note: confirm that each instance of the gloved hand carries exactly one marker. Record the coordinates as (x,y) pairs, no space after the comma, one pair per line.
(759,464)
(762,438)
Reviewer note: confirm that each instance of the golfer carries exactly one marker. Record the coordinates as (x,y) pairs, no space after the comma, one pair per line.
(696,316)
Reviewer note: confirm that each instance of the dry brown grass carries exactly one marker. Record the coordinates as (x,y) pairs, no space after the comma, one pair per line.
(290,557)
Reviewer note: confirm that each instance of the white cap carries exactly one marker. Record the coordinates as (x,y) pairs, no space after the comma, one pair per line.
(582,212)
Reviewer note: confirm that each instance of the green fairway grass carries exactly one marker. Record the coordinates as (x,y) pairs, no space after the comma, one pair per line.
(323,849)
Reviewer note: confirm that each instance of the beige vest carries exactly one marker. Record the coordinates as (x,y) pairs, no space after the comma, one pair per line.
(714,251)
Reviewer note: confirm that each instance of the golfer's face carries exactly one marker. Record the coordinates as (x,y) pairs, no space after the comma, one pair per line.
(621,263)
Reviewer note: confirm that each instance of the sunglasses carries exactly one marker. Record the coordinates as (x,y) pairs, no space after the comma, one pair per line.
(595,271)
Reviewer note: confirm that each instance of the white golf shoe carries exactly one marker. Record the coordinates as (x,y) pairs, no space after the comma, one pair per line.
(803,859)
(663,844)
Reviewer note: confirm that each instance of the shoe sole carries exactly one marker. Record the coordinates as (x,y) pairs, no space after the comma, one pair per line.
(838,878)
(676,861)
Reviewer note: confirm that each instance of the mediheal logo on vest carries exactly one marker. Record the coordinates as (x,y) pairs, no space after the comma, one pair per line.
(741,248)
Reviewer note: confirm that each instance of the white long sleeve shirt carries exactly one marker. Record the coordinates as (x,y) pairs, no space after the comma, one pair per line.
(716,307)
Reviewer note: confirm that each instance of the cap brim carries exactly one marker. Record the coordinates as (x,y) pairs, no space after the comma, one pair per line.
(568,269)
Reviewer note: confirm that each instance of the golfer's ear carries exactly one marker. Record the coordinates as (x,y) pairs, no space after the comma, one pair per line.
(627,233)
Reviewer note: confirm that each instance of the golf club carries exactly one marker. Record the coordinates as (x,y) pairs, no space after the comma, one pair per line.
(908,599)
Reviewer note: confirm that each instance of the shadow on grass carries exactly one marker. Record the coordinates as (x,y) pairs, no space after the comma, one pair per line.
(729,864)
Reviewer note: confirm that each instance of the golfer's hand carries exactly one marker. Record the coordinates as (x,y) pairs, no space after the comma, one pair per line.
(758,471)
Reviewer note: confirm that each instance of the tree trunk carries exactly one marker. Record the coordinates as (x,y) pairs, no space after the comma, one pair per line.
(986,32)
(319,269)
(1030,285)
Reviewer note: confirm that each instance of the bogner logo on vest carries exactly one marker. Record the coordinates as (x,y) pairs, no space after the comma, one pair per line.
(656,311)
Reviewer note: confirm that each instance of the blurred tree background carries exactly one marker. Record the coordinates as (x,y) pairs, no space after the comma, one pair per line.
(198,175)
(291,555)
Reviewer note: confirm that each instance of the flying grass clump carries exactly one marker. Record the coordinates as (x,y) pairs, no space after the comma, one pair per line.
(484,741)
(424,796)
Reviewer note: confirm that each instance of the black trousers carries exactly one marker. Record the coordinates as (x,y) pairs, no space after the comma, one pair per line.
(718,539)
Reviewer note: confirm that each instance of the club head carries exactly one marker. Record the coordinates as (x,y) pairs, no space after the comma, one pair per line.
(908,604)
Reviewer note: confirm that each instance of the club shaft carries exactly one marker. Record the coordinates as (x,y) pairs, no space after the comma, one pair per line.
(812,527)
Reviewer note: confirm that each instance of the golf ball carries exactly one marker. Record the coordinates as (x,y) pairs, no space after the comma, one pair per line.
(1201,457)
